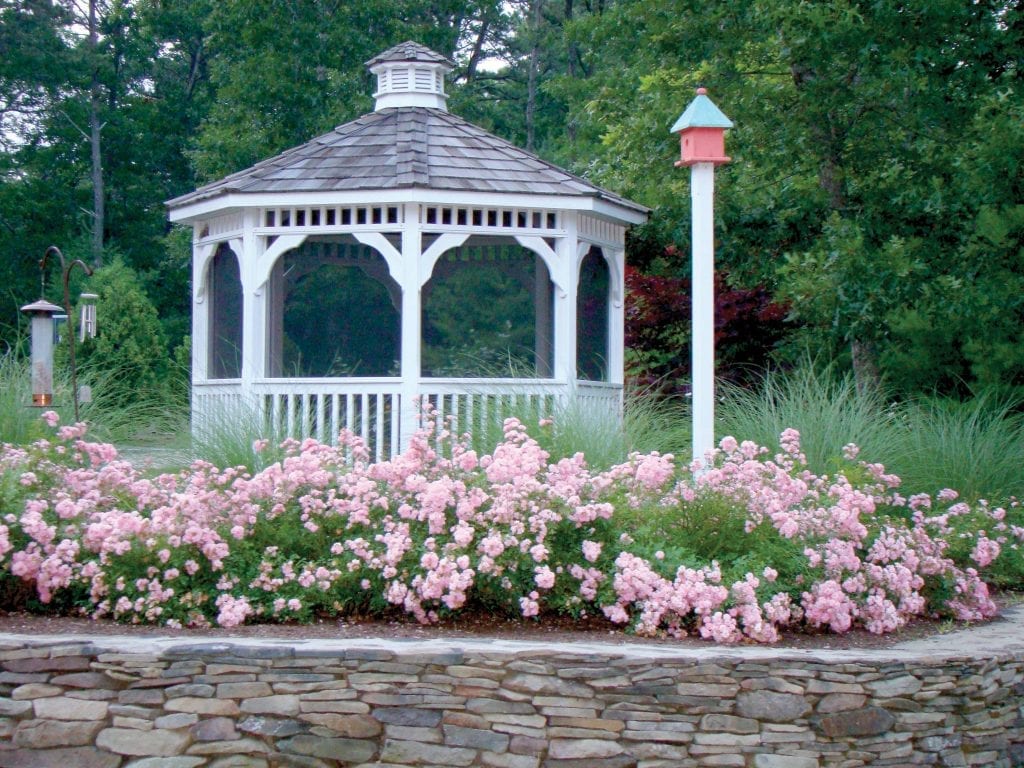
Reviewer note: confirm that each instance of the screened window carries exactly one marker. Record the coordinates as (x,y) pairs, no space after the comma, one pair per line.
(225,330)
(592,317)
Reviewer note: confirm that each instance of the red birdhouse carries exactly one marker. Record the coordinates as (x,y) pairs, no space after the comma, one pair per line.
(701,130)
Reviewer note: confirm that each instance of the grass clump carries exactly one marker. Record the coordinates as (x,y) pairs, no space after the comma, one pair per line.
(975,447)
(824,406)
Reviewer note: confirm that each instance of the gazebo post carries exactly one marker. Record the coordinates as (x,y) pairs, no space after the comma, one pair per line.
(412,322)
(617,318)
(565,321)
(701,130)
(254,315)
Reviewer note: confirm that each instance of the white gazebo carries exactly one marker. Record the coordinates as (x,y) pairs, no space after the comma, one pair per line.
(406,256)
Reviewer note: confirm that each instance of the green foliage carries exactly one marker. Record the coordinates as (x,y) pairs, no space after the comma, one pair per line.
(479,320)
(129,353)
(975,447)
(820,402)
(19,421)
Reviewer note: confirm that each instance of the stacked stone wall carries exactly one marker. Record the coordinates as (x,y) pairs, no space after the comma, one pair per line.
(132,704)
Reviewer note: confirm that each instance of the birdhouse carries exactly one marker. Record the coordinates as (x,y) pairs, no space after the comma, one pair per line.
(42,313)
(701,130)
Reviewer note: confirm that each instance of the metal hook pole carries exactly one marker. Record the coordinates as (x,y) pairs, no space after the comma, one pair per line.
(66,276)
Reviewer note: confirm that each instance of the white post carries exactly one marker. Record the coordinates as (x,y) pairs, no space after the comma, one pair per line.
(412,331)
(565,321)
(702,191)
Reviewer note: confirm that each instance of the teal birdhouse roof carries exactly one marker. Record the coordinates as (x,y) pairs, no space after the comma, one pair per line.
(701,113)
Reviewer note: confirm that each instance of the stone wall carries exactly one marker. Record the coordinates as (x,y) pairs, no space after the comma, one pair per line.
(169,703)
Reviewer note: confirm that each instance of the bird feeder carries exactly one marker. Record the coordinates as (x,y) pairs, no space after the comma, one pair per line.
(42,313)
(701,130)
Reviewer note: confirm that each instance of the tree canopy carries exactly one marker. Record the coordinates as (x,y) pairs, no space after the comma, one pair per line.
(875,192)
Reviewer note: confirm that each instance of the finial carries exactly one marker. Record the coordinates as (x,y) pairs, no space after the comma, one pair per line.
(702,91)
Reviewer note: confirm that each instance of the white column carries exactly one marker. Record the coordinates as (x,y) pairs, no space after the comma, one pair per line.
(253,306)
(616,261)
(567,283)
(201,255)
(702,191)
(412,332)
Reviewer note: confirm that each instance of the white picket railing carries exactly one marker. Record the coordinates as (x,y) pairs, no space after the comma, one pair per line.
(321,408)
(372,407)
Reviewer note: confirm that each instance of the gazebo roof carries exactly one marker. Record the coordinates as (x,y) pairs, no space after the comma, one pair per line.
(403,147)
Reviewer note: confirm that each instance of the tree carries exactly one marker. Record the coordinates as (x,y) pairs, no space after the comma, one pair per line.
(843,196)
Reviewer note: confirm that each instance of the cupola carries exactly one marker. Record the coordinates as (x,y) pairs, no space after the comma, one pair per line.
(410,75)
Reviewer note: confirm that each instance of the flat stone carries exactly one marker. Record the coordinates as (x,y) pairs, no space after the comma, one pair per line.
(566,749)
(343,750)
(476,738)
(728,761)
(869,721)
(618,761)
(527,683)
(179,761)
(91,680)
(199,690)
(411,733)
(200,706)
(125,741)
(39,734)
(428,718)
(418,753)
(70,757)
(272,726)
(727,739)
(35,691)
(840,702)
(350,726)
(10,708)
(771,706)
(894,687)
(494,706)
(229,747)
(59,664)
(60,708)
(135,723)
(143,696)
(130,710)
(176,720)
(283,704)
(508,760)
(239,761)
(713,690)
(246,690)
(784,761)
(215,729)
(728,724)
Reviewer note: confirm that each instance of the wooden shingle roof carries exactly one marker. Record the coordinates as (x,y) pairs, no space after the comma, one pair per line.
(406,147)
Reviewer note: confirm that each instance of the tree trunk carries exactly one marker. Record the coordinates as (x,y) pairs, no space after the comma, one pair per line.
(98,213)
(865,366)
(531,83)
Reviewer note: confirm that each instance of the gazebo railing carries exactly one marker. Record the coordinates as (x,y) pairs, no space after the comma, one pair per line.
(372,407)
(321,408)
(478,405)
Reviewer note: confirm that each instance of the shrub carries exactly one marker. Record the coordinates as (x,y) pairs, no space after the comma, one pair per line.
(753,545)
(128,358)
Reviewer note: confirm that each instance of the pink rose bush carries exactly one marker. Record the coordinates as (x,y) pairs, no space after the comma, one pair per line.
(752,546)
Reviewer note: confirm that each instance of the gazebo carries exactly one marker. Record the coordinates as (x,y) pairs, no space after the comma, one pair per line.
(404,257)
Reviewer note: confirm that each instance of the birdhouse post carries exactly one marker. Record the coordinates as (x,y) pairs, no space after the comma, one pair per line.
(701,130)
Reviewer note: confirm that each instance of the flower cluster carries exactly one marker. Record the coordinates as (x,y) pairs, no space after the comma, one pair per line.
(440,528)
